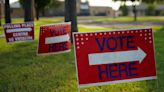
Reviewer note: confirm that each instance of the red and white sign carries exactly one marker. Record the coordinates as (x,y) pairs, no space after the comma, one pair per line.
(114,56)
(19,32)
(54,38)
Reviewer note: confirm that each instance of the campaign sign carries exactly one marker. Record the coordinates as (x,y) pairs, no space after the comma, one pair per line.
(19,32)
(114,56)
(54,38)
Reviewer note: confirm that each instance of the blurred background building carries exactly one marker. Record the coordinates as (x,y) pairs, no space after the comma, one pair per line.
(147,10)
(84,9)
(16,10)
(2,8)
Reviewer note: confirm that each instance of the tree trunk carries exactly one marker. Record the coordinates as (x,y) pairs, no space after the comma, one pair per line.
(135,12)
(70,14)
(67,11)
(37,13)
(114,14)
(43,12)
(33,10)
(28,11)
(73,16)
(7,12)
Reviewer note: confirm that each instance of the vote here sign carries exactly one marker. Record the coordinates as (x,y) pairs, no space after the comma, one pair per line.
(114,56)
(19,32)
(54,38)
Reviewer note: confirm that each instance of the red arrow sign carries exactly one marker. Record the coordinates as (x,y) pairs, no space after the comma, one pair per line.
(54,38)
(114,56)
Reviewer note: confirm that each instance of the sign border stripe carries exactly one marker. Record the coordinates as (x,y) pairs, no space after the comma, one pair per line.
(57,39)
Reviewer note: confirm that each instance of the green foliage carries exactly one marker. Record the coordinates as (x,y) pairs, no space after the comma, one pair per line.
(153,1)
(146,1)
(149,1)
(127,0)
(21,3)
(41,5)
(150,10)
(53,3)
(134,7)
(124,10)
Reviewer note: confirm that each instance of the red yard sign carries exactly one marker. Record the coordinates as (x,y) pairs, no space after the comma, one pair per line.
(19,32)
(114,56)
(54,38)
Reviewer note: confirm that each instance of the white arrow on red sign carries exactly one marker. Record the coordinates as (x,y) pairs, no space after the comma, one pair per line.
(116,57)
(19,30)
(57,39)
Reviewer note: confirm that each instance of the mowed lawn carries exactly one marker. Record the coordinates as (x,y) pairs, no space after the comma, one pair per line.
(21,70)
(129,19)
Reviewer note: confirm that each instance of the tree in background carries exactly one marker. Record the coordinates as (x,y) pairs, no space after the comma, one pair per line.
(40,5)
(70,14)
(152,5)
(134,7)
(153,1)
(7,12)
(124,10)
(151,10)
(53,4)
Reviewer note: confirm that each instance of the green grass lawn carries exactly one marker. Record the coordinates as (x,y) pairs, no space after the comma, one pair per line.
(128,19)
(21,70)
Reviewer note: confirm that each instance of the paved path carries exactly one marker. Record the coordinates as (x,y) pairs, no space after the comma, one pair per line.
(118,25)
(88,22)
(91,26)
